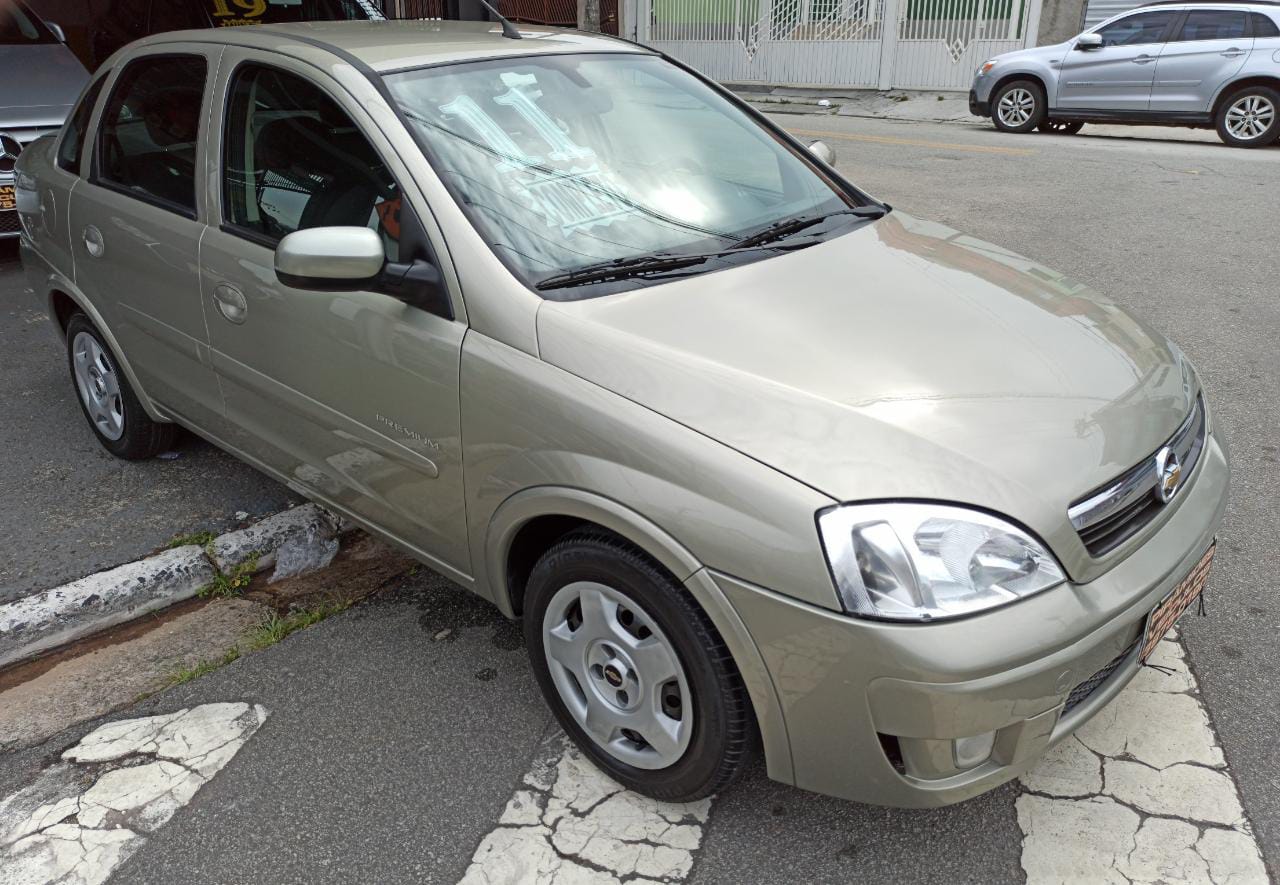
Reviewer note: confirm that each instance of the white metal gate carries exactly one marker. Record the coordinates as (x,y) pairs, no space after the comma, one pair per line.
(931,44)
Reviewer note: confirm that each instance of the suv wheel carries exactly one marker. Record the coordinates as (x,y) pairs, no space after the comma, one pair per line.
(634,670)
(109,403)
(1250,117)
(1060,127)
(1018,106)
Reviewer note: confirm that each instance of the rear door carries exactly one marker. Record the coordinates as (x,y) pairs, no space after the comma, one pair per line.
(1208,49)
(1118,75)
(135,225)
(49,227)
(352,396)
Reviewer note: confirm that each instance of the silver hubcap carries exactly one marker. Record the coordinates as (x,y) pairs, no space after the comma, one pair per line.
(618,674)
(99,386)
(1016,107)
(1250,117)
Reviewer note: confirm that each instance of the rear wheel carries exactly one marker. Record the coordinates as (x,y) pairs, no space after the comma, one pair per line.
(634,670)
(109,403)
(1250,117)
(1059,127)
(1018,106)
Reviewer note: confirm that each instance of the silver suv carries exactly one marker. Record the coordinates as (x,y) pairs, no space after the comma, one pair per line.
(1199,65)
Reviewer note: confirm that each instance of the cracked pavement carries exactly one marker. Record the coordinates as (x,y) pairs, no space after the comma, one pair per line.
(408,741)
(87,813)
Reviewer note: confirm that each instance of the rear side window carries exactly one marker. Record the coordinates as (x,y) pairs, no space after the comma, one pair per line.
(1143,27)
(72,146)
(1264,26)
(1214,24)
(150,127)
(294,159)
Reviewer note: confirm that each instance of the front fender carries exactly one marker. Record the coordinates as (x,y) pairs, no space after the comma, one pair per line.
(527,505)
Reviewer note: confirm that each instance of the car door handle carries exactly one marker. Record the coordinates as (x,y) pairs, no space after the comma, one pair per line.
(1233,52)
(1143,59)
(231,303)
(93,242)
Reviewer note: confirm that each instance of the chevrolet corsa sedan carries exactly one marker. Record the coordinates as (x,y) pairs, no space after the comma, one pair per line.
(758,462)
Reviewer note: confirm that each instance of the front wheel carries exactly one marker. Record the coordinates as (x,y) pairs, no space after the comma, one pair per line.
(1059,127)
(1018,106)
(1250,118)
(634,670)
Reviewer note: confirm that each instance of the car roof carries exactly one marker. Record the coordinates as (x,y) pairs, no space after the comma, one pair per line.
(1197,4)
(397,45)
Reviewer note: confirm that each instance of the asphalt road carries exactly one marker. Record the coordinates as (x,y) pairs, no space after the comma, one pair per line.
(391,753)
(70,509)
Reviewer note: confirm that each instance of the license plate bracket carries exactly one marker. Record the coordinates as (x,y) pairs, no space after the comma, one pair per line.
(1169,609)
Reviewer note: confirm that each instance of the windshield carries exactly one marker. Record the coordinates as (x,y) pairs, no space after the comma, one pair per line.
(18,26)
(229,13)
(568,161)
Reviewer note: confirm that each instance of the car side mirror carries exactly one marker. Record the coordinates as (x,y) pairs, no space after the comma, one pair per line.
(823,152)
(57,31)
(330,259)
(352,259)
(1085,42)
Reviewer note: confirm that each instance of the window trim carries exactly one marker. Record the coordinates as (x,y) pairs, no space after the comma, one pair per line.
(257,237)
(95,165)
(99,82)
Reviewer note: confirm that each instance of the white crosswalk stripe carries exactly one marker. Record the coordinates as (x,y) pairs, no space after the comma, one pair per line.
(88,813)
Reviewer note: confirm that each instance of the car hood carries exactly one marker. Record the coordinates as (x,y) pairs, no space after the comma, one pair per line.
(43,81)
(900,360)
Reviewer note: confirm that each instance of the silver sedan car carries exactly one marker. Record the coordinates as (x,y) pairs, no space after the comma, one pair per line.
(758,462)
(1206,65)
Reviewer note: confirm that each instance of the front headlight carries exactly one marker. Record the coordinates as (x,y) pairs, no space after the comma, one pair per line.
(923,562)
(986,66)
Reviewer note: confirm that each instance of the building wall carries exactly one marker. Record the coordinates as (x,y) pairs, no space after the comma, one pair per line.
(1059,21)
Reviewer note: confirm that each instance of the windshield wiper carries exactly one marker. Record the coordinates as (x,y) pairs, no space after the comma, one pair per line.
(624,268)
(787,227)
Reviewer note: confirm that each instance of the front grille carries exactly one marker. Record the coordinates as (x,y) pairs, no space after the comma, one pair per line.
(1107,517)
(9,223)
(1081,692)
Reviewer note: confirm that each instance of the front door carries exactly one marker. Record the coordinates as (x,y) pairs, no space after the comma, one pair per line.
(1117,76)
(1209,49)
(352,396)
(135,227)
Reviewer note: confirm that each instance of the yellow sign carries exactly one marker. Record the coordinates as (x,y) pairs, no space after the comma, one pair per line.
(8,200)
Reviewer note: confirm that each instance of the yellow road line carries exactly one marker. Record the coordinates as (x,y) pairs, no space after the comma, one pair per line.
(888,139)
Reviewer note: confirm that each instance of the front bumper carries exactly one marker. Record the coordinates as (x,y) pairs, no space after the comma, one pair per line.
(854,694)
(976,107)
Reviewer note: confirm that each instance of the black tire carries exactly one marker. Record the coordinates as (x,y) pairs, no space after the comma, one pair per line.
(141,438)
(1267,100)
(1049,126)
(1035,114)
(724,730)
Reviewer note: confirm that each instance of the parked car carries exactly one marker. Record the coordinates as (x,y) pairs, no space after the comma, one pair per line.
(1203,65)
(753,457)
(118,22)
(42,81)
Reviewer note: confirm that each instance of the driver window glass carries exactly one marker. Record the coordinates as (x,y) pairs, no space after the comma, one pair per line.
(293,160)
(1145,27)
(150,126)
(1214,24)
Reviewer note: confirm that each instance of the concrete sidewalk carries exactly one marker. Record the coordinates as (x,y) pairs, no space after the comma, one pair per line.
(920,106)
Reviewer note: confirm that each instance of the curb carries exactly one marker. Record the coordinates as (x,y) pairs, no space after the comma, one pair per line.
(294,541)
